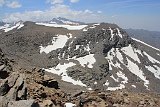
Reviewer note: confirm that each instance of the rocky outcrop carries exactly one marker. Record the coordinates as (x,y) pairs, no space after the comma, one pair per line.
(22,88)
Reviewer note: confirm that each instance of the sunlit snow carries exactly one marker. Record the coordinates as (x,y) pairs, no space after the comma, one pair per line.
(151,58)
(115,79)
(146,44)
(121,75)
(135,70)
(120,86)
(69,27)
(119,33)
(7,27)
(58,42)
(129,50)
(133,86)
(111,32)
(69,105)
(88,60)
(61,70)
(156,72)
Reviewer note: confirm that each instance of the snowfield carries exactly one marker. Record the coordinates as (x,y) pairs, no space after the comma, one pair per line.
(131,53)
(69,27)
(57,42)
(135,70)
(145,44)
(156,71)
(61,70)
(88,60)
(8,28)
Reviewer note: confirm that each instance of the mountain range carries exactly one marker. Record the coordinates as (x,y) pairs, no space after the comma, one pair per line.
(150,37)
(81,56)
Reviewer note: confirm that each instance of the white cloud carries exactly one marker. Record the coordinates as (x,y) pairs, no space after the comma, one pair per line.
(99,12)
(88,11)
(14,4)
(74,1)
(55,1)
(57,10)
(10,4)
(2,2)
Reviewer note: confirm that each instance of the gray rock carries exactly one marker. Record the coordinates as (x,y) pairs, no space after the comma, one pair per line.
(4,88)
(3,101)
(22,92)
(18,91)
(12,79)
(23,103)
(3,72)
(50,82)
(2,67)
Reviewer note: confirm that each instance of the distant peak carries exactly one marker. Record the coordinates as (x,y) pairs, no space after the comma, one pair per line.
(61,20)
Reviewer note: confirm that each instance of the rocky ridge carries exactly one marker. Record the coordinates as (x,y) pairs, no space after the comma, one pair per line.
(33,88)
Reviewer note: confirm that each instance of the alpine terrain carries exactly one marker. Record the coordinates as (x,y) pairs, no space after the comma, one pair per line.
(65,63)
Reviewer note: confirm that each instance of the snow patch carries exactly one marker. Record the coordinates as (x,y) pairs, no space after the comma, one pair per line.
(58,42)
(116,80)
(156,72)
(151,58)
(20,26)
(85,29)
(107,83)
(113,53)
(138,51)
(119,55)
(111,32)
(130,52)
(95,82)
(69,105)
(145,44)
(121,75)
(119,33)
(77,46)
(90,89)
(7,27)
(69,27)
(135,70)
(94,25)
(61,70)
(88,60)
(133,86)
(87,48)
(121,86)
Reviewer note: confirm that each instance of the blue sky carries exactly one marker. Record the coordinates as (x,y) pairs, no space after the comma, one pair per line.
(140,14)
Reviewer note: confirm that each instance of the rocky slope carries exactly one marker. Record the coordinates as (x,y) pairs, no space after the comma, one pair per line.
(33,88)
(93,56)
(150,37)
(51,62)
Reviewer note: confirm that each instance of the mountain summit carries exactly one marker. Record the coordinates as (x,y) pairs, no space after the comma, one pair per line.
(61,20)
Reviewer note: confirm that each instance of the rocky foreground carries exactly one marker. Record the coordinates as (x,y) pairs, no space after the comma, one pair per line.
(33,88)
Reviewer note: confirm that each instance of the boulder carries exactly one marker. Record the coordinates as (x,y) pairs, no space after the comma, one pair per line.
(50,82)
(18,91)
(3,72)
(4,87)
(12,79)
